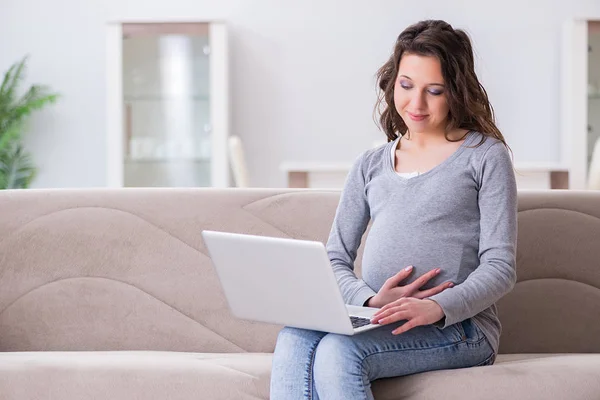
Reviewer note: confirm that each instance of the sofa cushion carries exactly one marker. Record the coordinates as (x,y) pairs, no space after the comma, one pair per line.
(513,376)
(178,375)
(129,375)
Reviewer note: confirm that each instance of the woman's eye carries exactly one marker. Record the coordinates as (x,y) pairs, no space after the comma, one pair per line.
(405,85)
(435,92)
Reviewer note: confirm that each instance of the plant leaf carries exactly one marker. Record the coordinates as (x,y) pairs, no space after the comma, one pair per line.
(15,74)
(16,168)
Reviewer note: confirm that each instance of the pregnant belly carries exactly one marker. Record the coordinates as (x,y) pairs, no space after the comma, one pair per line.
(454,261)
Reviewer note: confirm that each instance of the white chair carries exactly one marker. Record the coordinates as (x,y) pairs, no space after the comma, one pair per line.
(237,161)
(594,173)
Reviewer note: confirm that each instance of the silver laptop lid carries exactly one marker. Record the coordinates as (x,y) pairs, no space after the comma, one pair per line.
(282,281)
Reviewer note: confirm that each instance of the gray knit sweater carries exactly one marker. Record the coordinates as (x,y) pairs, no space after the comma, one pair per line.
(461,216)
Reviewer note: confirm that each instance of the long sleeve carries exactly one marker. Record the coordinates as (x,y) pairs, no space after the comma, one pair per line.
(350,222)
(496,274)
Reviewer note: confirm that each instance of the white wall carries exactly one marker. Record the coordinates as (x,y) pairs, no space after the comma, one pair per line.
(301,74)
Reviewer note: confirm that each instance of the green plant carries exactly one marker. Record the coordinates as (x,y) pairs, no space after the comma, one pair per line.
(16,167)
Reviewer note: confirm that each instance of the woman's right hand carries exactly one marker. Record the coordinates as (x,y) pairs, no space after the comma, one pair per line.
(390,291)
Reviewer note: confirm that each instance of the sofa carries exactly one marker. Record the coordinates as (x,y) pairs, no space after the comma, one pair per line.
(110,294)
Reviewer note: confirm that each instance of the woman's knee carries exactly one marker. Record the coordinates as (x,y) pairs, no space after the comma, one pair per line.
(287,334)
(295,336)
(336,356)
(297,344)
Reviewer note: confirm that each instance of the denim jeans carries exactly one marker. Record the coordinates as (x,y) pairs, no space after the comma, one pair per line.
(316,365)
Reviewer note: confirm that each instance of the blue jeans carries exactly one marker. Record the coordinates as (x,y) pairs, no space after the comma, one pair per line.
(316,365)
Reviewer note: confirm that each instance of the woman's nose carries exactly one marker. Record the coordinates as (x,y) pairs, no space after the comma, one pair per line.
(417,102)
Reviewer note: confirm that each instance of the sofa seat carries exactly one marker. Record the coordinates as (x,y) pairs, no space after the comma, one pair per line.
(134,375)
(512,377)
(178,375)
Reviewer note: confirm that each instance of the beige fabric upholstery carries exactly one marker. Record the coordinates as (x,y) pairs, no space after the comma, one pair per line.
(185,376)
(527,377)
(97,273)
(552,306)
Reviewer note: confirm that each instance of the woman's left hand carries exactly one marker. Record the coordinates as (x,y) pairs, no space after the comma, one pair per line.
(416,312)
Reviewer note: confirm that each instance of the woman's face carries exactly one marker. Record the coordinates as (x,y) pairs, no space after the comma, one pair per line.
(419,94)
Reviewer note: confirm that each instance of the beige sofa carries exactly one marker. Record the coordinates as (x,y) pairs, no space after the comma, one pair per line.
(109,294)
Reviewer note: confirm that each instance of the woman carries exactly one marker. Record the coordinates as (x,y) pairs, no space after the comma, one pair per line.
(441,197)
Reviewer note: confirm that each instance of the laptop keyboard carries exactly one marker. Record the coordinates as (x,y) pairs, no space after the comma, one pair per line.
(357,322)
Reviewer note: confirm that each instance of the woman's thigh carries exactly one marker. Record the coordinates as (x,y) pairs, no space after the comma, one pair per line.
(380,354)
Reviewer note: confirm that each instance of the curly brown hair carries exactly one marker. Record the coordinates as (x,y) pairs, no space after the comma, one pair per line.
(469,106)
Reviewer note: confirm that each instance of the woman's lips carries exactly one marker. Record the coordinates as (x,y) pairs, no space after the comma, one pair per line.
(417,117)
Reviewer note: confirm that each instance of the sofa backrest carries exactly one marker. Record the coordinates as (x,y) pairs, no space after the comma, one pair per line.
(126,269)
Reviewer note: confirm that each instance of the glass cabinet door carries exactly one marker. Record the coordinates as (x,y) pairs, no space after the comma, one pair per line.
(171,91)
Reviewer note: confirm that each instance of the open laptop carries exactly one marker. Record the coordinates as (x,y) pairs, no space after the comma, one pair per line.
(283,281)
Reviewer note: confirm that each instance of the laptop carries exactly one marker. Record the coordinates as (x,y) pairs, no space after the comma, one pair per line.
(283,281)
